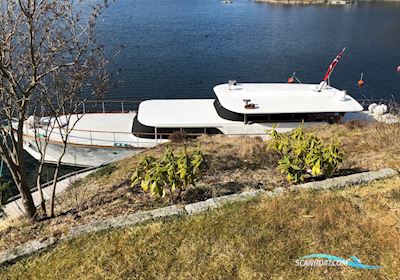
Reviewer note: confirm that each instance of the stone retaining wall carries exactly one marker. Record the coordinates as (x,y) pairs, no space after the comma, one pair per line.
(12,255)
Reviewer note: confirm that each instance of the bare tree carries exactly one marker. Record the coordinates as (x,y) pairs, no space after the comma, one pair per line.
(49,62)
(55,123)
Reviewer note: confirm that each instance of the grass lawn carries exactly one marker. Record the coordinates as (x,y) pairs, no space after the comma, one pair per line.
(233,164)
(259,239)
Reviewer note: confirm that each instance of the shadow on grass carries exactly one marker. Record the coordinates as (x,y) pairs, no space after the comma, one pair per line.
(201,193)
(104,171)
(341,172)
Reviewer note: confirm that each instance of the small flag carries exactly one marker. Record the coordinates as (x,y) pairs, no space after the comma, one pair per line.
(333,65)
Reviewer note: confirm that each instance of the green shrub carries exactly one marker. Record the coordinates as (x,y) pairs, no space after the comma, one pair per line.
(169,173)
(304,154)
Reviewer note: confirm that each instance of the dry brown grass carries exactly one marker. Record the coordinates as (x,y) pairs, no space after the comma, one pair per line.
(233,164)
(255,240)
(368,146)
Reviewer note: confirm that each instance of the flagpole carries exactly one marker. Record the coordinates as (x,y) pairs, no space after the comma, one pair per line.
(336,64)
(322,86)
(333,68)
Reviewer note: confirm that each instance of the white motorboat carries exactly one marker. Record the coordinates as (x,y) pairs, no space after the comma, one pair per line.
(247,109)
(238,109)
(341,2)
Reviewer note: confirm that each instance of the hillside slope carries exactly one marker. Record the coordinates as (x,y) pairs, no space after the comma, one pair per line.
(259,239)
(232,165)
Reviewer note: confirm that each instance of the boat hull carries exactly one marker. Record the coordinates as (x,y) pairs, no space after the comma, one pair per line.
(80,155)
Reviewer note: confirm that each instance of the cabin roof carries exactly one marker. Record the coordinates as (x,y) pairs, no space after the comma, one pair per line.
(179,113)
(284,98)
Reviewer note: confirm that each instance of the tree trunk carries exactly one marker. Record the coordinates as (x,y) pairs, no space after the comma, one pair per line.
(26,196)
(16,166)
(55,178)
(25,191)
(53,191)
(27,200)
(39,187)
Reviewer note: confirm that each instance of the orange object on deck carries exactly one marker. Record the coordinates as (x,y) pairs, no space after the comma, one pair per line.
(361,81)
(290,80)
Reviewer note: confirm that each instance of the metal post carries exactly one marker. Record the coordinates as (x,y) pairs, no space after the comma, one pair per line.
(91,141)
(104,110)
(122,106)
(84,109)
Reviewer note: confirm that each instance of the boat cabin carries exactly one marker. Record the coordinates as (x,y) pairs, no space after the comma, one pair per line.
(244,104)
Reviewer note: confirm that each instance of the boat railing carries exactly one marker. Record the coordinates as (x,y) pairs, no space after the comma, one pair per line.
(98,137)
(93,106)
(109,106)
(392,104)
(126,106)
(123,139)
(120,138)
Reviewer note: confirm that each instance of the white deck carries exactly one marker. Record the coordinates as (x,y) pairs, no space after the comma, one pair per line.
(98,129)
(180,113)
(284,98)
(112,122)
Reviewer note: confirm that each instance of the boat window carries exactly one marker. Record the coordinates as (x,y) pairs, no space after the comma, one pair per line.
(295,117)
(226,114)
(197,130)
(277,117)
(265,118)
(144,131)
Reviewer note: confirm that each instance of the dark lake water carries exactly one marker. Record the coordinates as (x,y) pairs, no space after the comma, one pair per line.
(182,48)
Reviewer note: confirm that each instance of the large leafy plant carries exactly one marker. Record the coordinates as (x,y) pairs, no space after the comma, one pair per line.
(304,154)
(170,174)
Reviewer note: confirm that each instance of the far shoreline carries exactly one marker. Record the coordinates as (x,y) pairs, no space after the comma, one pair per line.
(326,2)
